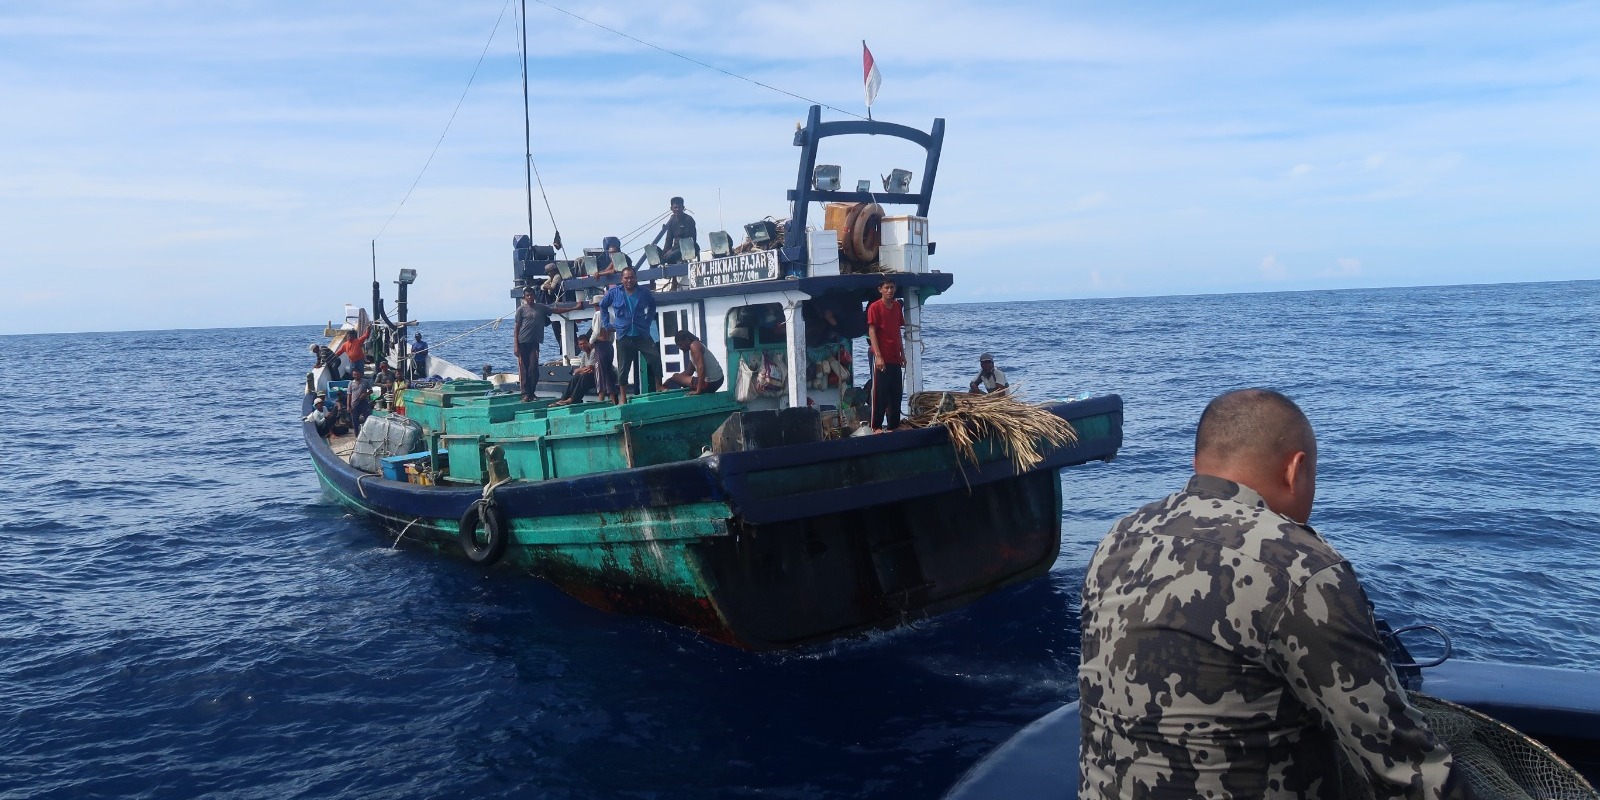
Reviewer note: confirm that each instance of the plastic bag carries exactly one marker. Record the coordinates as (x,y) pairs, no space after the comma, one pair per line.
(771,381)
(745,389)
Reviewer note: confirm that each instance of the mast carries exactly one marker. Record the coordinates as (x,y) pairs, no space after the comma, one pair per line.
(527,128)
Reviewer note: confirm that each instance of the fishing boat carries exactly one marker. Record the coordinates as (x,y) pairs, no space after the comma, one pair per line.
(1520,730)
(750,515)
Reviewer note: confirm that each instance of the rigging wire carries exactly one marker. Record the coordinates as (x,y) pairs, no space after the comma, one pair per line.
(587,21)
(447,123)
(643,229)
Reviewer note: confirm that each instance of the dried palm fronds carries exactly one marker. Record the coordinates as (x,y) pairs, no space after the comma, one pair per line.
(1021,429)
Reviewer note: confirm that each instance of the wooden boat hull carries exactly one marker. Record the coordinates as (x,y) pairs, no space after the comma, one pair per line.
(775,548)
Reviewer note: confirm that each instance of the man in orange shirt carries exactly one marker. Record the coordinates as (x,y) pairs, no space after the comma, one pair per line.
(885,318)
(353,351)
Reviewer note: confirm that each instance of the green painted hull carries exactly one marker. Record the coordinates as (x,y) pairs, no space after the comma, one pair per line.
(775,548)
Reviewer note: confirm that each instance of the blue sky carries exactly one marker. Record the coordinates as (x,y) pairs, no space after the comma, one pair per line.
(184,164)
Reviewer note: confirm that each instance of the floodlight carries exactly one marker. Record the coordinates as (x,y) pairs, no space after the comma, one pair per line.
(591,265)
(864,186)
(652,254)
(689,249)
(898,181)
(721,244)
(407,276)
(761,232)
(825,178)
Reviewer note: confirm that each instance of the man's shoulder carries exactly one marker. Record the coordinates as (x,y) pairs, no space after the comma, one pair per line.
(1234,521)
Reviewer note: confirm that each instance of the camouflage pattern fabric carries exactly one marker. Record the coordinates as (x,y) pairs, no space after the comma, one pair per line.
(1230,652)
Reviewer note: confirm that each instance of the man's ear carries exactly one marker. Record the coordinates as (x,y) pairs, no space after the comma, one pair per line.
(1291,475)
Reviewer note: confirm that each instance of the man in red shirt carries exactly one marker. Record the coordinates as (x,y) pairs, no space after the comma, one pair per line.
(885,318)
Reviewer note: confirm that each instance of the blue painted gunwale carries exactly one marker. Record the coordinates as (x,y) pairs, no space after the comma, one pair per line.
(723,478)
(1560,707)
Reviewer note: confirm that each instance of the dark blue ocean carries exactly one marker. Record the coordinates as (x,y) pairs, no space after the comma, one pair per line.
(182,614)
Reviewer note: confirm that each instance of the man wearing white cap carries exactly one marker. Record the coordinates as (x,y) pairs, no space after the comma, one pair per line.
(990,379)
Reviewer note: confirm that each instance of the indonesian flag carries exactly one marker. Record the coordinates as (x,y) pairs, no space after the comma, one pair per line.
(869,73)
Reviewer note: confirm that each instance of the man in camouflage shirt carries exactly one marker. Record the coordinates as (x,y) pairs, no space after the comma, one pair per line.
(1230,652)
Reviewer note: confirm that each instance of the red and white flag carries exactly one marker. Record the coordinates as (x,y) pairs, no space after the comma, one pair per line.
(869,73)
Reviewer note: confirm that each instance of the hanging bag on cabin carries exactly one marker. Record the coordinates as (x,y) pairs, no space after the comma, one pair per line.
(745,389)
(771,380)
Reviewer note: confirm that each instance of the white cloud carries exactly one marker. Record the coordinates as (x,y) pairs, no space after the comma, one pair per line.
(1272,269)
(1345,268)
(211,141)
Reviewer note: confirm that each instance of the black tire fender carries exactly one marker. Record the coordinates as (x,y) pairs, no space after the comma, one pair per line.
(864,232)
(482,514)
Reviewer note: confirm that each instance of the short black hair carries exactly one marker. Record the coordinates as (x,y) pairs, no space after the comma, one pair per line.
(676,201)
(685,336)
(584,335)
(1259,421)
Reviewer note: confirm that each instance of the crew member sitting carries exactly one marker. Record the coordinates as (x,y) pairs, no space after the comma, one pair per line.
(325,418)
(582,382)
(385,378)
(678,228)
(990,378)
(704,374)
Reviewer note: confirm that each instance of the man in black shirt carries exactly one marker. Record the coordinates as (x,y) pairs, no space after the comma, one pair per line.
(679,228)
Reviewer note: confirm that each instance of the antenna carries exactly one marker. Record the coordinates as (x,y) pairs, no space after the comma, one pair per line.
(527,127)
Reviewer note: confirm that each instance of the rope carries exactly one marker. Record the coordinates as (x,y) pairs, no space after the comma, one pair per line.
(493,323)
(643,229)
(488,488)
(403,532)
(547,208)
(807,100)
(447,123)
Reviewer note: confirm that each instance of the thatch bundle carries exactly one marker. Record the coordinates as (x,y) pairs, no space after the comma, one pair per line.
(1021,429)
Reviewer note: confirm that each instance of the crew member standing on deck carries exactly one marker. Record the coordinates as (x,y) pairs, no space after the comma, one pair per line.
(627,309)
(532,318)
(352,352)
(419,357)
(885,318)
(1229,651)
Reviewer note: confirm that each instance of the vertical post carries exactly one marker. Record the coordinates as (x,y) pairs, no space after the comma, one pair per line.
(913,342)
(795,342)
(402,349)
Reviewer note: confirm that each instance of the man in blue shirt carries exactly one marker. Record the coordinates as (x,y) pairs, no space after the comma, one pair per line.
(628,309)
(419,357)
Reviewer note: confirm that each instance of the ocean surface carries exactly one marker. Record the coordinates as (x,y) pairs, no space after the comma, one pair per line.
(183,614)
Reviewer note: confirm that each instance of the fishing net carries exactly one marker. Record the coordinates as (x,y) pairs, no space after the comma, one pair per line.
(1494,759)
(1020,430)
